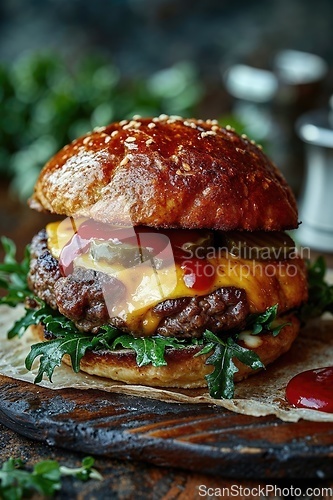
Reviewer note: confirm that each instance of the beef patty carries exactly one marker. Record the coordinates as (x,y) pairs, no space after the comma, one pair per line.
(80,298)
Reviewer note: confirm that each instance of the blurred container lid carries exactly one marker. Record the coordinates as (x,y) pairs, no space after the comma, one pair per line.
(294,67)
(251,84)
(315,128)
(316,201)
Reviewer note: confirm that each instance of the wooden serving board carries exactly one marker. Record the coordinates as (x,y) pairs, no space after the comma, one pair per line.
(201,438)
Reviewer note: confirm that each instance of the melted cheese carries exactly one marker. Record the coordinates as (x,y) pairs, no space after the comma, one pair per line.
(265,283)
(59,233)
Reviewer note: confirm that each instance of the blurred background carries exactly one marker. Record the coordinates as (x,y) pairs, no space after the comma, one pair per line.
(264,67)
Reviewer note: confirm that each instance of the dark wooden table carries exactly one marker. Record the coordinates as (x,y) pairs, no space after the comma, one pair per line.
(125,479)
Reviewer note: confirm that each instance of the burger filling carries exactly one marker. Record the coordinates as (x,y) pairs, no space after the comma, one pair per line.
(97,289)
(178,283)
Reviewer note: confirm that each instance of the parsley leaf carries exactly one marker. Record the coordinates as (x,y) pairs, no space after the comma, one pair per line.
(320,293)
(221,381)
(13,274)
(45,478)
(266,321)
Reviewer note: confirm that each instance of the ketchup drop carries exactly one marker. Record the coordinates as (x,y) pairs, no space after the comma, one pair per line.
(198,274)
(312,389)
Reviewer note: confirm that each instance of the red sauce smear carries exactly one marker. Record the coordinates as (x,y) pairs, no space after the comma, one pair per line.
(198,274)
(74,248)
(312,389)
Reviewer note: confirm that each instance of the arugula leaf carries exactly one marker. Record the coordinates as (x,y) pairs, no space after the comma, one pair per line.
(68,340)
(221,381)
(53,351)
(320,292)
(32,317)
(54,321)
(22,324)
(267,321)
(45,478)
(13,274)
(148,349)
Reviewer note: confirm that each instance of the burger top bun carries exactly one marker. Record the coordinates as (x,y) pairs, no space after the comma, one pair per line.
(167,172)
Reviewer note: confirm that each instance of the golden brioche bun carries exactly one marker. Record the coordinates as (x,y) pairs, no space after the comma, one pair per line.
(183,370)
(167,172)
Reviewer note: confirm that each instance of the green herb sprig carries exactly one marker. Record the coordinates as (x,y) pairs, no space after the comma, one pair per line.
(13,274)
(45,478)
(221,381)
(320,292)
(150,350)
(267,321)
(68,340)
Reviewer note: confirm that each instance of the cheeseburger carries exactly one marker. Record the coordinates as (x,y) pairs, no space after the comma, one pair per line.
(169,262)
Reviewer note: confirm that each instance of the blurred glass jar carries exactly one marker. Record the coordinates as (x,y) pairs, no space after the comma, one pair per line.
(315,129)
(268,103)
(253,91)
(300,78)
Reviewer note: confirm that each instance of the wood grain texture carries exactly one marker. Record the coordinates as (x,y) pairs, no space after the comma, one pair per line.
(127,480)
(198,438)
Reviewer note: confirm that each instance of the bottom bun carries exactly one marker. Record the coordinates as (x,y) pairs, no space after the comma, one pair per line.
(183,370)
